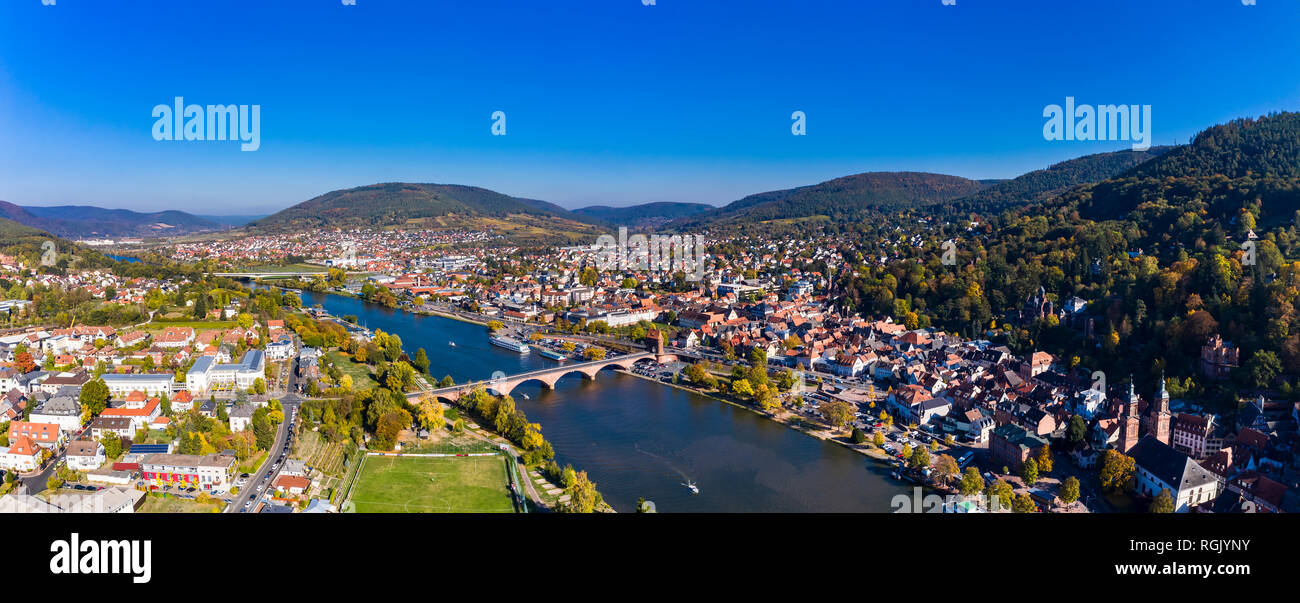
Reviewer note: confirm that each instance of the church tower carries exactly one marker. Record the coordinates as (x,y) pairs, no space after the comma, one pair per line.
(1128,435)
(1160,414)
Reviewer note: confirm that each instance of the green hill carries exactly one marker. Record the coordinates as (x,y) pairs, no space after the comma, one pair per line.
(433,206)
(645,214)
(845,198)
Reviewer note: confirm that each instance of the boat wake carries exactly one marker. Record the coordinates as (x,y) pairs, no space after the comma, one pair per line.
(688,483)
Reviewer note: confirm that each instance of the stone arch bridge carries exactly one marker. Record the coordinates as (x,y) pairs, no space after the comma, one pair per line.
(547,377)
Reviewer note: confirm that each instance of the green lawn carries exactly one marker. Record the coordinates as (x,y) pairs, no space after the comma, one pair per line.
(475,484)
(157,326)
(172,504)
(361,379)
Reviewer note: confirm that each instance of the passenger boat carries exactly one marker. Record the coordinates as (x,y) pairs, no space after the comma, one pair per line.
(552,354)
(510,344)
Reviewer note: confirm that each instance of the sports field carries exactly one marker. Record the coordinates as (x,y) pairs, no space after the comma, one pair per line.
(392,484)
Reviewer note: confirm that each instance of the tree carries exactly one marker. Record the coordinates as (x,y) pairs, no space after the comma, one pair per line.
(583,497)
(971,482)
(999,494)
(768,401)
(112,445)
(594,353)
(1029,472)
(421,361)
(24,361)
(858,436)
(1163,502)
(390,426)
(1023,504)
(945,469)
(244,320)
(878,438)
(837,412)
(1262,368)
(431,415)
(1116,471)
(742,387)
(446,381)
(94,395)
(494,325)
(920,458)
(1043,459)
(259,386)
(263,431)
(1069,490)
(1077,430)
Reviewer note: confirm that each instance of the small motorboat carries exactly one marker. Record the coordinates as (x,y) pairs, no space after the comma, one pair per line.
(692,487)
(451,343)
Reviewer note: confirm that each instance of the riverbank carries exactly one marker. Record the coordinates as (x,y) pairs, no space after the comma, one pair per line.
(870,452)
(639,441)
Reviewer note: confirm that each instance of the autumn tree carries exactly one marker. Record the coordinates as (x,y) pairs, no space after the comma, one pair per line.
(945,469)
(1116,471)
(1069,491)
(1163,502)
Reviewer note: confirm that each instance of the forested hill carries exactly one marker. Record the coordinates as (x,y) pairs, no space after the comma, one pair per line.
(1262,148)
(1198,242)
(1232,178)
(645,214)
(1040,185)
(86,222)
(432,206)
(846,198)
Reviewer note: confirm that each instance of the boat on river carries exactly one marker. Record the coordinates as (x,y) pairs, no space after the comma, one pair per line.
(511,344)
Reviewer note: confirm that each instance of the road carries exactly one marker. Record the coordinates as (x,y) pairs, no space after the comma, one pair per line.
(265,475)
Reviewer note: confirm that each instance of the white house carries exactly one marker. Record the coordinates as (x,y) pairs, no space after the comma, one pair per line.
(280,349)
(64,411)
(241,417)
(85,455)
(22,454)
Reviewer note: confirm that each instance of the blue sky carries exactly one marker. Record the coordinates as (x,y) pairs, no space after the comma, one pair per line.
(607,102)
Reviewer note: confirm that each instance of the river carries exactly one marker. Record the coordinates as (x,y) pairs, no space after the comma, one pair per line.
(636,438)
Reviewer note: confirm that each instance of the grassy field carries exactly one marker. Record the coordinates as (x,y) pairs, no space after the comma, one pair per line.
(158,326)
(158,504)
(361,379)
(433,485)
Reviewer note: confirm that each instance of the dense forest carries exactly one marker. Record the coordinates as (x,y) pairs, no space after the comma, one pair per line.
(1163,254)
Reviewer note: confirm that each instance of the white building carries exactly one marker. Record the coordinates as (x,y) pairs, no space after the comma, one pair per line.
(281,349)
(209,472)
(206,375)
(241,417)
(85,455)
(63,411)
(1160,467)
(22,454)
(152,384)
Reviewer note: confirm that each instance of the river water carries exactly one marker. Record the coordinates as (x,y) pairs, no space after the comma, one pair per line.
(636,438)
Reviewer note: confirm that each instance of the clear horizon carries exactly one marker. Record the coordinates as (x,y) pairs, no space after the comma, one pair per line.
(609,103)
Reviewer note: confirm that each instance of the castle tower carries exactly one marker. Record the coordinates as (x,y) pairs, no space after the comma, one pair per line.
(1160,415)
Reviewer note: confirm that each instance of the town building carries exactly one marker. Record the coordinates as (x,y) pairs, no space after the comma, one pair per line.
(1159,467)
(207,472)
(208,376)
